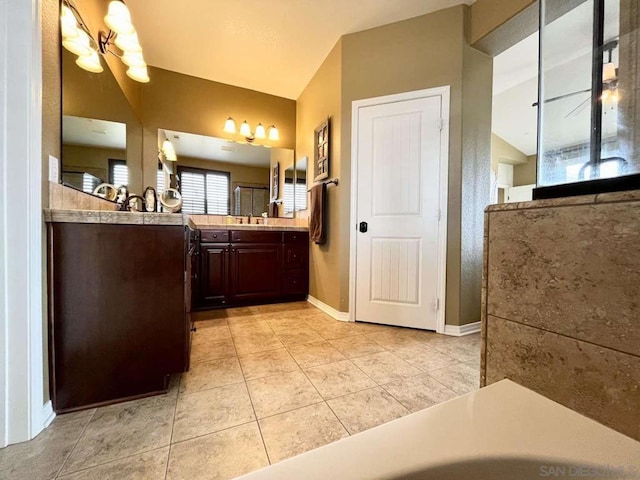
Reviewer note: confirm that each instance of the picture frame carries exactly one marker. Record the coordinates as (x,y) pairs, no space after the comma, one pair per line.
(322,147)
(275,181)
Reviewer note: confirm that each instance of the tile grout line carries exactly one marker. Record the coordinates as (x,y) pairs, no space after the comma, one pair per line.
(173,424)
(75,444)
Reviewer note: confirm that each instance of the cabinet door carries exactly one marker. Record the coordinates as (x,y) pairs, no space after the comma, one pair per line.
(255,271)
(296,269)
(214,264)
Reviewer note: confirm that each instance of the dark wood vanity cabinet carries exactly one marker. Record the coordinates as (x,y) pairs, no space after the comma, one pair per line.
(119,311)
(253,267)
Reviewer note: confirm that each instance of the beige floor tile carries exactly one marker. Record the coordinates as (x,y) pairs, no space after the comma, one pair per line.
(145,466)
(42,457)
(366,328)
(284,323)
(221,455)
(385,367)
(281,393)
(216,373)
(394,339)
(366,409)
(296,336)
(205,323)
(425,357)
(212,350)
(316,353)
(212,410)
(463,349)
(209,333)
(298,431)
(263,364)
(258,342)
(250,328)
(460,378)
(419,392)
(334,329)
(339,378)
(245,319)
(123,429)
(356,346)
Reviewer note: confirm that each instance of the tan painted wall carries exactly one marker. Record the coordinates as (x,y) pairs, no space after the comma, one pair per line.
(321,99)
(488,15)
(503,152)
(525,174)
(192,105)
(92,160)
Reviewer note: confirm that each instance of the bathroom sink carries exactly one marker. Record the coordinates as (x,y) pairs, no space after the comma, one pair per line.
(503,431)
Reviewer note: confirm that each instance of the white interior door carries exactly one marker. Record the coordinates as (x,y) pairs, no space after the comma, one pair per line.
(398,258)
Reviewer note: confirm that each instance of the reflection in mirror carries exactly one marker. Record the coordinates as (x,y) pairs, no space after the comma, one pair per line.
(301,185)
(94,153)
(217,176)
(288,193)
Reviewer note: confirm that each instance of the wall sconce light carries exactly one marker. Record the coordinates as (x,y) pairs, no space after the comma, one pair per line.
(245,131)
(77,38)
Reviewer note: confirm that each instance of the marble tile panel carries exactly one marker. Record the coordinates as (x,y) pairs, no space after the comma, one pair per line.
(209,411)
(144,466)
(281,393)
(339,378)
(366,409)
(263,364)
(42,457)
(461,377)
(598,382)
(123,429)
(296,336)
(291,433)
(216,373)
(121,218)
(425,357)
(256,342)
(218,456)
(356,346)
(570,270)
(316,353)
(385,367)
(419,392)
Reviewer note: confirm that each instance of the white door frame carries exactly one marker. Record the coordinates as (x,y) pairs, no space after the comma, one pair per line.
(21,226)
(444,177)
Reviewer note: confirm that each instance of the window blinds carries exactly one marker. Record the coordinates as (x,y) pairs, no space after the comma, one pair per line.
(204,192)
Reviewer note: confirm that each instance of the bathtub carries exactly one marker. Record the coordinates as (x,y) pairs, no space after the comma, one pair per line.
(503,431)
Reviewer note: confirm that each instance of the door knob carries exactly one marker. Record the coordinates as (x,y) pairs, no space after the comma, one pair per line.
(363,227)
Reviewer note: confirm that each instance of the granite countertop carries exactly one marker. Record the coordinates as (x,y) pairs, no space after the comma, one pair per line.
(612,197)
(135,218)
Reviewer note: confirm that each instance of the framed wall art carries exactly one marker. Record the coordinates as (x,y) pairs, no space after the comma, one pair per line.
(275,181)
(321,151)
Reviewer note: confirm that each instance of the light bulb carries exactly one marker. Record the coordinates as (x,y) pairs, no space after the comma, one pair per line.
(90,63)
(605,95)
(608,72)
(615,97)
(68,23)
(79,45)
(273,133)
(230,126)
(260,133)
(139,74)
(133,59)
(245,129)
(118,18)
(128,43)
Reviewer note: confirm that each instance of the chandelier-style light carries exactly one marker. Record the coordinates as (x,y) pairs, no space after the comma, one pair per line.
(77,38)
(245,131)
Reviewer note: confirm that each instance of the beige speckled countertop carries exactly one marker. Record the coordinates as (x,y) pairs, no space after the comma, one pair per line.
(613,197)
(134,218)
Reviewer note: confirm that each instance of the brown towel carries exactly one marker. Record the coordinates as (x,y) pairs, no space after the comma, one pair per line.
(316,219)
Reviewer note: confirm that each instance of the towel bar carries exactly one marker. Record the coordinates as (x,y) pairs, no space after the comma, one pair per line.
(328,182)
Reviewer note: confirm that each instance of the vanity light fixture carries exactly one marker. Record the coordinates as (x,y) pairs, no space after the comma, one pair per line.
(245,131)
(77,38)
(168,151)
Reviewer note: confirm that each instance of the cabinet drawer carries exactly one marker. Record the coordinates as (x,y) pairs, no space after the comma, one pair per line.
(214,236)
(296,256)
(294,283)
(296,237)
(255,236)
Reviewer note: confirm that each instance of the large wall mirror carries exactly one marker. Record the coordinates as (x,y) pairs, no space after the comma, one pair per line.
(101,135)
(220,177)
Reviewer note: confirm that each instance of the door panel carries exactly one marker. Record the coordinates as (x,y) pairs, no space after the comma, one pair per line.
(399,148)
(213,273)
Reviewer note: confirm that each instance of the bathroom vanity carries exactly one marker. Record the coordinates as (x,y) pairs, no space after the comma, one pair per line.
(119,309)
(236,265)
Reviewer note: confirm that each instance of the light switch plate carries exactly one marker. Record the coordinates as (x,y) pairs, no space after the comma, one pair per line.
(54,169)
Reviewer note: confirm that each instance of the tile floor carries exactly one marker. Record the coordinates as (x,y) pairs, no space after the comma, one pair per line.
(266,383)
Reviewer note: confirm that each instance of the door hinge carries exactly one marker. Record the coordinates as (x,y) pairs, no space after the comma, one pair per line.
(440,123)
(437,304)
(439,214)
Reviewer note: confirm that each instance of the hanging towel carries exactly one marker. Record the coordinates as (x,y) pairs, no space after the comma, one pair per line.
(316,221)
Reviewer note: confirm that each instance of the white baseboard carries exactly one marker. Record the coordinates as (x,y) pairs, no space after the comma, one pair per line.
(459,331)
(329,310)
(47,414)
